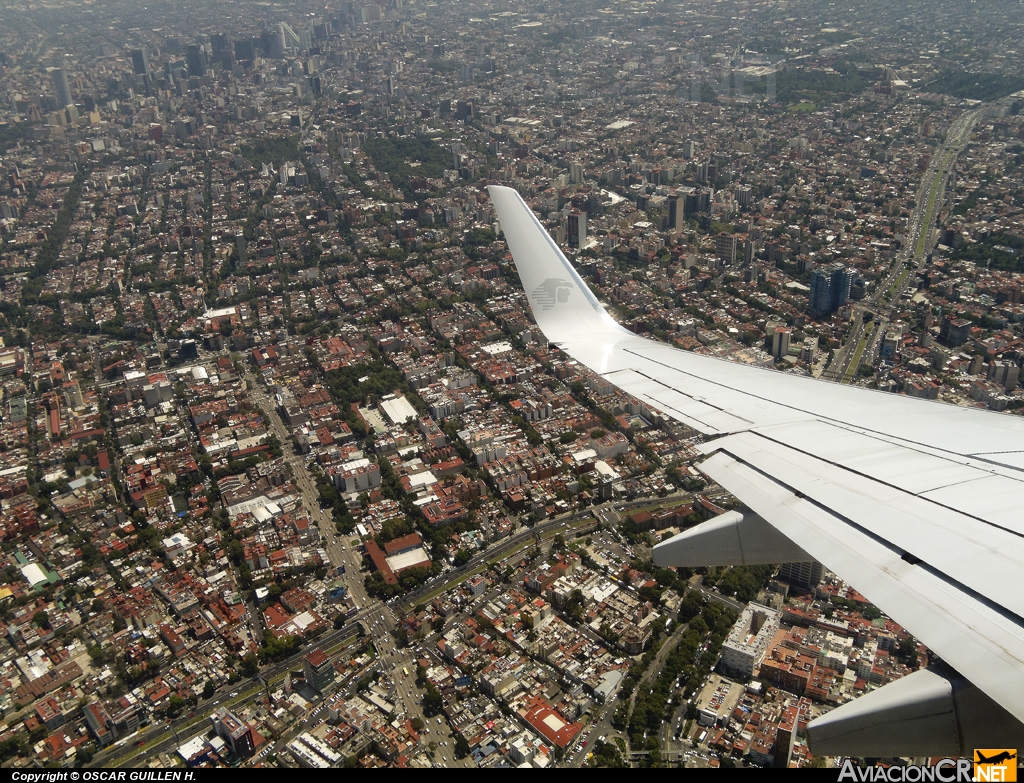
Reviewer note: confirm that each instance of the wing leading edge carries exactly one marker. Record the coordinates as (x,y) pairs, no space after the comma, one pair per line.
(915,503)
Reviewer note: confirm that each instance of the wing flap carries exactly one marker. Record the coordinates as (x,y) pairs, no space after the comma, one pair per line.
(970,635)
(983,558)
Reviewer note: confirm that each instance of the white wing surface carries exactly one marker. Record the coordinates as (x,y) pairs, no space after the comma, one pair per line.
(915,503)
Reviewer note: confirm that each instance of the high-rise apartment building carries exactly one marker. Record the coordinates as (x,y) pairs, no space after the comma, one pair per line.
(807,574)
(725,247)
(830,289)
(780,342)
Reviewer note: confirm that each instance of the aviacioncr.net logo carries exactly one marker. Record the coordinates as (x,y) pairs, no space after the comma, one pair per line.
(552,291)
(995,764)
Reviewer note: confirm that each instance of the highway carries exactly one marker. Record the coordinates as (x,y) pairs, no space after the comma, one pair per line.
(336,545)
(863,338)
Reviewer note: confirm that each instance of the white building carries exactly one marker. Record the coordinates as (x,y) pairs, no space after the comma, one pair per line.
(748,641)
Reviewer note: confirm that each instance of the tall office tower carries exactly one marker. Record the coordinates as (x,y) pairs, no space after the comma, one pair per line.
(820,299)
(576,173)
(697,200)
(725,247)
(702,172)
(140,62)
(242,247)
(246,48)
(269,39)
(807,574)
(746,250)
(222,51)
(676,210)
(830,289)
(319,670)
(286,39)
(577,229)
(195,60)
(954,331)
(60,87)
(688,149)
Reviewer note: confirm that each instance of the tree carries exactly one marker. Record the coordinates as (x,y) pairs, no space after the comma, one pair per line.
(250,665)
(209,689)
(462,748)
(433,702)
(175,704)
(574,605)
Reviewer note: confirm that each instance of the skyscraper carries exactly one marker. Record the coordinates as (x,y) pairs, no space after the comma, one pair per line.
(830,289)
(676,210)
(245,49)
(60,87)
(223,53)
(140,62)
(319,670)
(577,229)
(195,60)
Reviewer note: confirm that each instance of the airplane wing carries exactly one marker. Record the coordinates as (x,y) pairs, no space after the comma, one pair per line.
(915,503)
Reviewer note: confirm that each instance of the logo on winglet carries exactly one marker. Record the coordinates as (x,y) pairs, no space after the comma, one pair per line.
(552,291)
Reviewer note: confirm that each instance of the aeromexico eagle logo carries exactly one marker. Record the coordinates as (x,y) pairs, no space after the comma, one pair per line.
(551,291)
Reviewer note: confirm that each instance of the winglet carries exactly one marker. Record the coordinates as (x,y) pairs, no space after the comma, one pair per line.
(562,304)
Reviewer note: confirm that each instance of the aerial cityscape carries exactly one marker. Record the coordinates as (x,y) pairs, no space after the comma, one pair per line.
(290,476)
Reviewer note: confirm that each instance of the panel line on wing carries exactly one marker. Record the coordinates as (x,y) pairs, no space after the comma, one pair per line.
(1018,470)
(923,495)
(1003,611)
(671,388)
